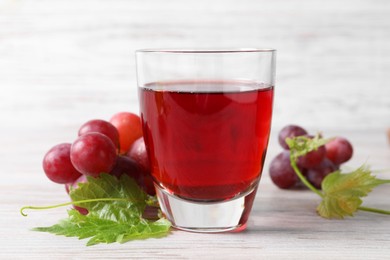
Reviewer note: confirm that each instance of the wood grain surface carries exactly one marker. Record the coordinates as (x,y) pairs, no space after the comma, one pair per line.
(65,62)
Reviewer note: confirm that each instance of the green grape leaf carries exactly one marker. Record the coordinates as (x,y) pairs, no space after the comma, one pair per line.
(106,230)
(108,186)
(342,193)
(118,220)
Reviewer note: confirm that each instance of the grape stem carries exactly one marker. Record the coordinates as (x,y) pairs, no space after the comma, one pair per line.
(302,178)
(67,204)
(380,211)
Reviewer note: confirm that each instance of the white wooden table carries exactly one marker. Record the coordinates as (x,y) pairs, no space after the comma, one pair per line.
(65,62)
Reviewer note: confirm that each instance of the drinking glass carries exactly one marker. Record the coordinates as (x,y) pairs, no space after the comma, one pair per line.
(206,118)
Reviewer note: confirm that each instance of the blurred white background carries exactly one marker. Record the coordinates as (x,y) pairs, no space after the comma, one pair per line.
(65,62)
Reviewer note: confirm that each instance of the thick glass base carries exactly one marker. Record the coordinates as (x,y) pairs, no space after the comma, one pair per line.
(206,217)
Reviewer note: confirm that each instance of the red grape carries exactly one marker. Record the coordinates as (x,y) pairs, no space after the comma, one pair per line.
(290,131)
(58,166)
(281,172)
(102,127)
(129,128)
(93,153)
(317,174)
(82,211)
(339,150)
(75,185)
(138,153)
(126,165)
(313,158)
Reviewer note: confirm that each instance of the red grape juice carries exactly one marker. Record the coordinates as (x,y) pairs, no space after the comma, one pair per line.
(206,140)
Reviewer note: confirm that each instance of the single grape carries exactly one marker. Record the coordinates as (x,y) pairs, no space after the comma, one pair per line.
(281,172)
(290,131)
(313,158)
(138,153)
(126,165)
(58,166)
(102,127)
(93,153)
(339,150)
(129,128)
(82,211)
(316,175)
(75,185)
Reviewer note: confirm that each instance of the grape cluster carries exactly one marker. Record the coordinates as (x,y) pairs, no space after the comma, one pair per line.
(115,147)
(315,165)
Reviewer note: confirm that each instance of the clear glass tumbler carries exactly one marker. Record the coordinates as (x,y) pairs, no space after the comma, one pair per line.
(206,118)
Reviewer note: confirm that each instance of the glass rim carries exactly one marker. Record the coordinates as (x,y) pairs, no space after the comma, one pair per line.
(206,51)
